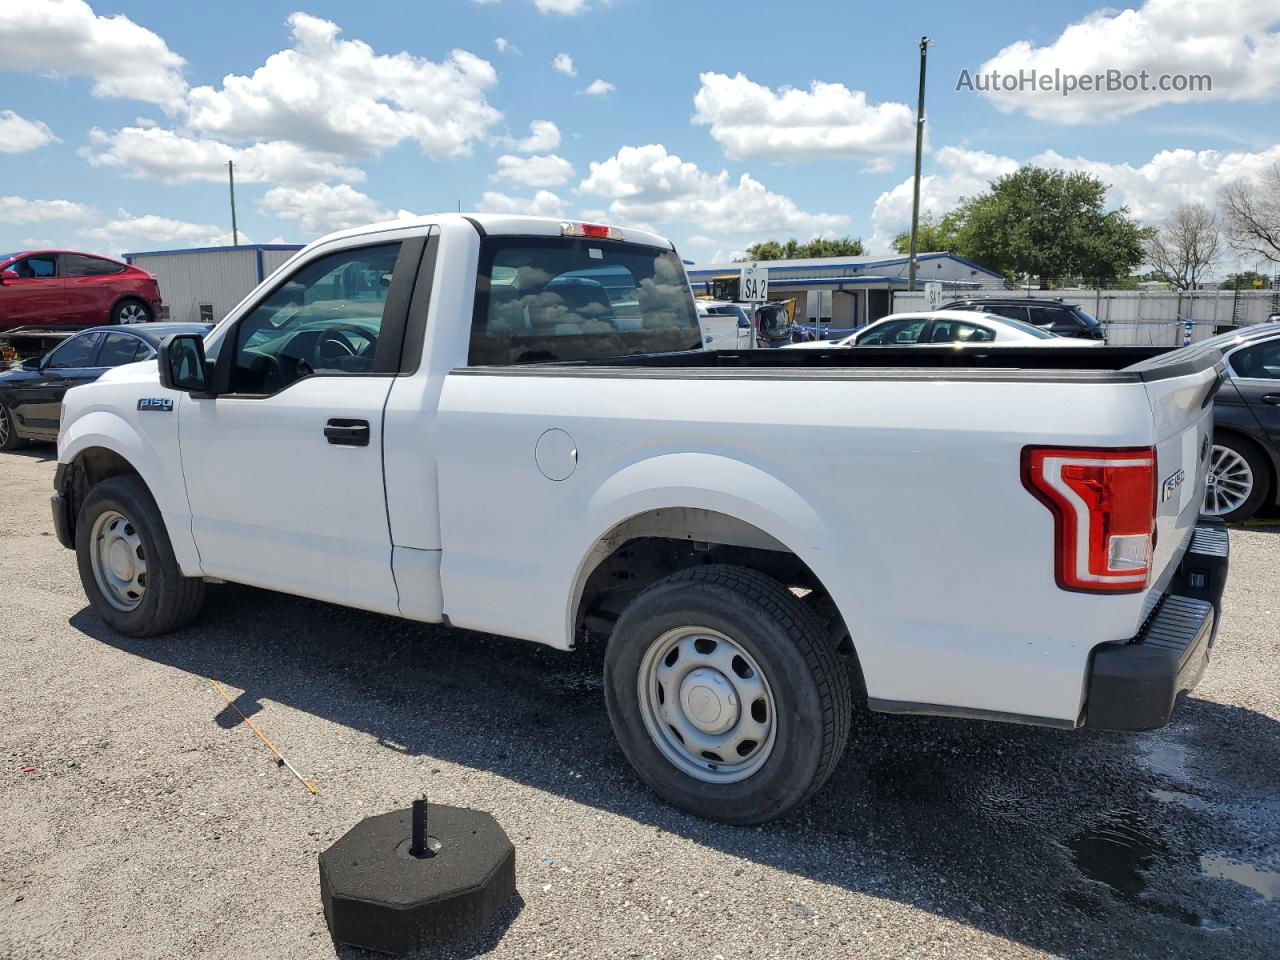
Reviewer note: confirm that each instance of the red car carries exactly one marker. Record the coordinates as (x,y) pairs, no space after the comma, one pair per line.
(66,289)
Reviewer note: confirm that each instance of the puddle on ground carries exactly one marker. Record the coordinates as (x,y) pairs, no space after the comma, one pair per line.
(1186,800)
(1265,882)
(1166,759)
(1119,852)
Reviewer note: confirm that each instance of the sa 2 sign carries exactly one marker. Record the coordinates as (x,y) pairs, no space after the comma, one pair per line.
(754,284)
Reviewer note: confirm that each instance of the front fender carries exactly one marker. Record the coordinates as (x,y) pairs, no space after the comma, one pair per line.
(151,449)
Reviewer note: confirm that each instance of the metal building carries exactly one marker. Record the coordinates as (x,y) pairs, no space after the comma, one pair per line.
(202,284)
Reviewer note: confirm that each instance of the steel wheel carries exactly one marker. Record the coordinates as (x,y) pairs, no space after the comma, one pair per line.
(132,313)
(1229,483)
(706,705)
(5,428)
(118,560)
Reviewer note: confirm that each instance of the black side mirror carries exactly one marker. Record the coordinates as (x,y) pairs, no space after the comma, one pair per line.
(32,363)
(183,365)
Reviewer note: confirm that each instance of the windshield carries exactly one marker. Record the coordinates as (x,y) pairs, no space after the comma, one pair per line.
(1029,329)
(553,298)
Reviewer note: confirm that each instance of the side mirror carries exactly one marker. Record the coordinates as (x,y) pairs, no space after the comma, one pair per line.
(183,365)
(7,275)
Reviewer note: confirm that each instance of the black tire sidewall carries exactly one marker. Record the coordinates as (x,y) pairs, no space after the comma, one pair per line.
(792,766)
(12,441)
(130,498)
(1250,453)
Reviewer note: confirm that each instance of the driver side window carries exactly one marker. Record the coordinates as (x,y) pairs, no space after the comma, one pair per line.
(324,319)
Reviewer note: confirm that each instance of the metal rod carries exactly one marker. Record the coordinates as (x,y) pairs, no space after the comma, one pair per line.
(419,848)
(280,760)
(915,193)
(231,181)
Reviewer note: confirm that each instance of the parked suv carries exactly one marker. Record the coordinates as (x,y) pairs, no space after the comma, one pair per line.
(63,288)
(1064,319)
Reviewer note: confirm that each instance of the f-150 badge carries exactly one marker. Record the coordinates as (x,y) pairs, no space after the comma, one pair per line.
(160,404)
(1171,484)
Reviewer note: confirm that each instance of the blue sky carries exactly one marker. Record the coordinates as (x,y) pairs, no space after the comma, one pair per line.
(714,123)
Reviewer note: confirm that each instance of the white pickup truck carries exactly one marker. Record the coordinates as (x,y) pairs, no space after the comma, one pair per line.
(506,424)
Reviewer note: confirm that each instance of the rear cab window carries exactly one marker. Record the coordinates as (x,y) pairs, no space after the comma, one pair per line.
(541,299)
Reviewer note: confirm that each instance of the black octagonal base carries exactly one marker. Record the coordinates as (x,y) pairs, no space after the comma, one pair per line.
(379,897)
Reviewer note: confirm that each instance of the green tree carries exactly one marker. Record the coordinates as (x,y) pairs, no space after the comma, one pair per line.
(935,235)
(793,249)
(1247,280)
(1045,224)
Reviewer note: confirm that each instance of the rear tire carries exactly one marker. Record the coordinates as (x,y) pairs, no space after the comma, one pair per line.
(9,439)
(1240,479)
(126,562)
(721,653)
(131,311)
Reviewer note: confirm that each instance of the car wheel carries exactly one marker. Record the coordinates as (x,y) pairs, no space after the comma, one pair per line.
(1238,479)
(9,439)
(726,694)
(131,311)
(126,562)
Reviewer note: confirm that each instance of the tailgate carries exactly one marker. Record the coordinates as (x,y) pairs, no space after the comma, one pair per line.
(1180,387)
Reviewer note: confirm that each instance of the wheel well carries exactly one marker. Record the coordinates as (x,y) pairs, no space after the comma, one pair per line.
(129,298)
(89,468)
(1239,436)
(648,547)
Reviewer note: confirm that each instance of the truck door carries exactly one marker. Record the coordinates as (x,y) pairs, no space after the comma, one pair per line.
(283,466)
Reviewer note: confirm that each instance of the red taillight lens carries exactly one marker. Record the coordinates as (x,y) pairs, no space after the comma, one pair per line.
(1104,509)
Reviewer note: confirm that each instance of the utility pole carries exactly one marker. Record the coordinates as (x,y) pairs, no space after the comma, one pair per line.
(231,180)
(915,194)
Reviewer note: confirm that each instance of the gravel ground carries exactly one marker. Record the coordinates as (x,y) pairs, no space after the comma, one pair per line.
(143,819)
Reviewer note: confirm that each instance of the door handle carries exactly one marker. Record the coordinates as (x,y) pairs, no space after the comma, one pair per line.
(1272,398)
(347,433)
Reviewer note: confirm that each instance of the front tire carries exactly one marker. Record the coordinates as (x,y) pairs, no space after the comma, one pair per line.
(9,439)
(726,694)
(131,311)
(1238,479)
(126,562)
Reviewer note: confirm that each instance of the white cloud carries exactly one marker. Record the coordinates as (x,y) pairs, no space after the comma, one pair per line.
(323,207)
(648,184)
(504,45)
(65,36)
(751,120)
(1151,190)
(563,63)
(544,203)
(21,210)
(599,88)
(958,172)
(339,96)
(543,135)
(537,171)
(129,232)
(18,134)
(161,154)
(1235,43)
(568,8)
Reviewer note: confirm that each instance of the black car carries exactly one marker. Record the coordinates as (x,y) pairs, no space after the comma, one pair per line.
(31,392)
(1246,424)
(1056,316)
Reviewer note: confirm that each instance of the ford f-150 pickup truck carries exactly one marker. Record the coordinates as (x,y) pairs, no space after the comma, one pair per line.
(507,424)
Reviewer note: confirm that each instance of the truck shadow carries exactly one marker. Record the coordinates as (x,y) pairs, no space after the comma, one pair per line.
(1008,830)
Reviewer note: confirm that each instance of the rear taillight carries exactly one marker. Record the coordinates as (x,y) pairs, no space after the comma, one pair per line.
(1104,512)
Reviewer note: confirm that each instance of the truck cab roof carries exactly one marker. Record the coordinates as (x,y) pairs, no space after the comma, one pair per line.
(503,224)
